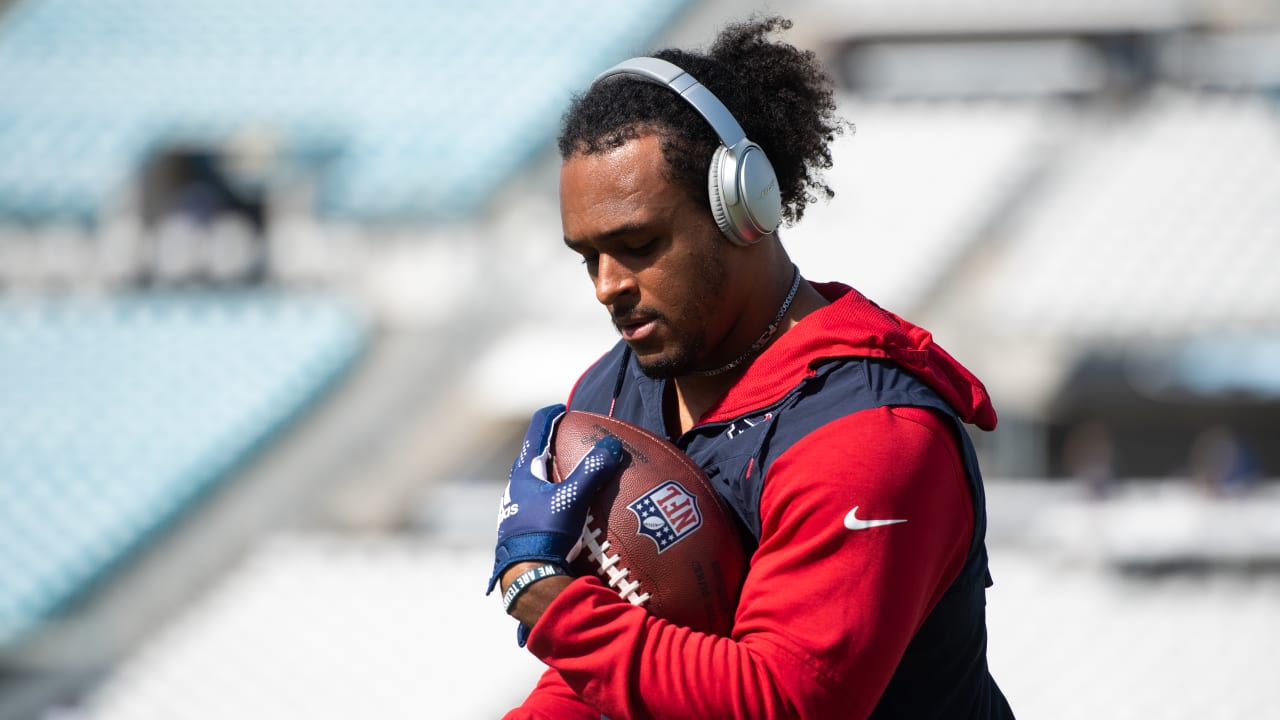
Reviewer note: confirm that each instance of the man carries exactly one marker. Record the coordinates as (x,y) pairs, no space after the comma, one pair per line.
(832,427)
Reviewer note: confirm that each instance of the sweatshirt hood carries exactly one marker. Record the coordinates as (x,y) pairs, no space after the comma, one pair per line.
(853,326)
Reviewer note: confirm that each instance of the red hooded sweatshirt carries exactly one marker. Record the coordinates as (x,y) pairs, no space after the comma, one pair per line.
(833,609)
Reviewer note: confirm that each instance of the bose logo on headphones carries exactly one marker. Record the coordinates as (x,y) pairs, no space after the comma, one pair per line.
(741,182)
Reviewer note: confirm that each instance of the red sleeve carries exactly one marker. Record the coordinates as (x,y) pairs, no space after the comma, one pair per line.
(552,699)
(826,611)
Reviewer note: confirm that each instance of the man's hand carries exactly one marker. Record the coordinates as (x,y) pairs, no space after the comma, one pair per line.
(540,520)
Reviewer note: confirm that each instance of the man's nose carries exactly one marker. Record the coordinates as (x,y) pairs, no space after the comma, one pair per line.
(613,280)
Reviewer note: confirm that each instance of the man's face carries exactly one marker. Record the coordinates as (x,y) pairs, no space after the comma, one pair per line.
(656,258)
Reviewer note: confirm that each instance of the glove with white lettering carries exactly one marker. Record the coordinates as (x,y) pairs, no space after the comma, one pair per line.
(540,520)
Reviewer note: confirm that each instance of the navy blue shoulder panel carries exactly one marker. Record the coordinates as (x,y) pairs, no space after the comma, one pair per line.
(639,398)
(594,390)
(738,454)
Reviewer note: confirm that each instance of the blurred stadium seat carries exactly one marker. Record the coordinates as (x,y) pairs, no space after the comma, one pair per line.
(423,108)
(121,413)
(943,17)
(1068,641)
(1159,222)
(331,626)
(916,187)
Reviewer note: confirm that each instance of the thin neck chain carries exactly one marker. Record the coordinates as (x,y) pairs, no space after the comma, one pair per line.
(765,337)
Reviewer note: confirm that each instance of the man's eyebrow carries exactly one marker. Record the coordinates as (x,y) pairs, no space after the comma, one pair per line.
(615,233)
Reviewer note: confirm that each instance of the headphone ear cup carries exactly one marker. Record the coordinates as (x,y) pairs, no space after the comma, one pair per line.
(759,211)
(716,176)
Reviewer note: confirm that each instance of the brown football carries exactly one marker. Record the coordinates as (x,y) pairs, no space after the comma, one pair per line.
(660,535)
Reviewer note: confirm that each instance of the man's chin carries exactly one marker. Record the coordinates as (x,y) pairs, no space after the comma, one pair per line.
(660,371)
(660,366)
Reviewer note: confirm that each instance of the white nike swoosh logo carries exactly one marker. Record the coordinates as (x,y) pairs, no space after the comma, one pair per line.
(853,522)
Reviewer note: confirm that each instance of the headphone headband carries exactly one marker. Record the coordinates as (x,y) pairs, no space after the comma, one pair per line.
(707,104)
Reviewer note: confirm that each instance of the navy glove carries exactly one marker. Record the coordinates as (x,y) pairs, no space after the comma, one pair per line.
(540,520)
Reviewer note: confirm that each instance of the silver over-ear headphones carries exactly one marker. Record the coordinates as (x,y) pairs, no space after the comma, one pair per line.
(745,198)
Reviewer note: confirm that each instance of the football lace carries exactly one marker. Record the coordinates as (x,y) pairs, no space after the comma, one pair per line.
(607,565)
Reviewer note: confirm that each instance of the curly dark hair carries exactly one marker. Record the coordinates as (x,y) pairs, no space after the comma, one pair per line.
(780,95)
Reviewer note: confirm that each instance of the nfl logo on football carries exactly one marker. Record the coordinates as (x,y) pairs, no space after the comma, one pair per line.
(667,514)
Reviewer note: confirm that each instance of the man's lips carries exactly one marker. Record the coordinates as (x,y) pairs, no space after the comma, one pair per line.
(635,327)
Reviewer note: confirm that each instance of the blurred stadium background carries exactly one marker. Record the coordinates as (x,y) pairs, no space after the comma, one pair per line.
(281,281)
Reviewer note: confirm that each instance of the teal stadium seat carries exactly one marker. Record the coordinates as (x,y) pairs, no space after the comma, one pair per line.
(120,414)
(429,105)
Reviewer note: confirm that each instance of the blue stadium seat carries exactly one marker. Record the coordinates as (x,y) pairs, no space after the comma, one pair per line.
(434,103)
(120,414)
